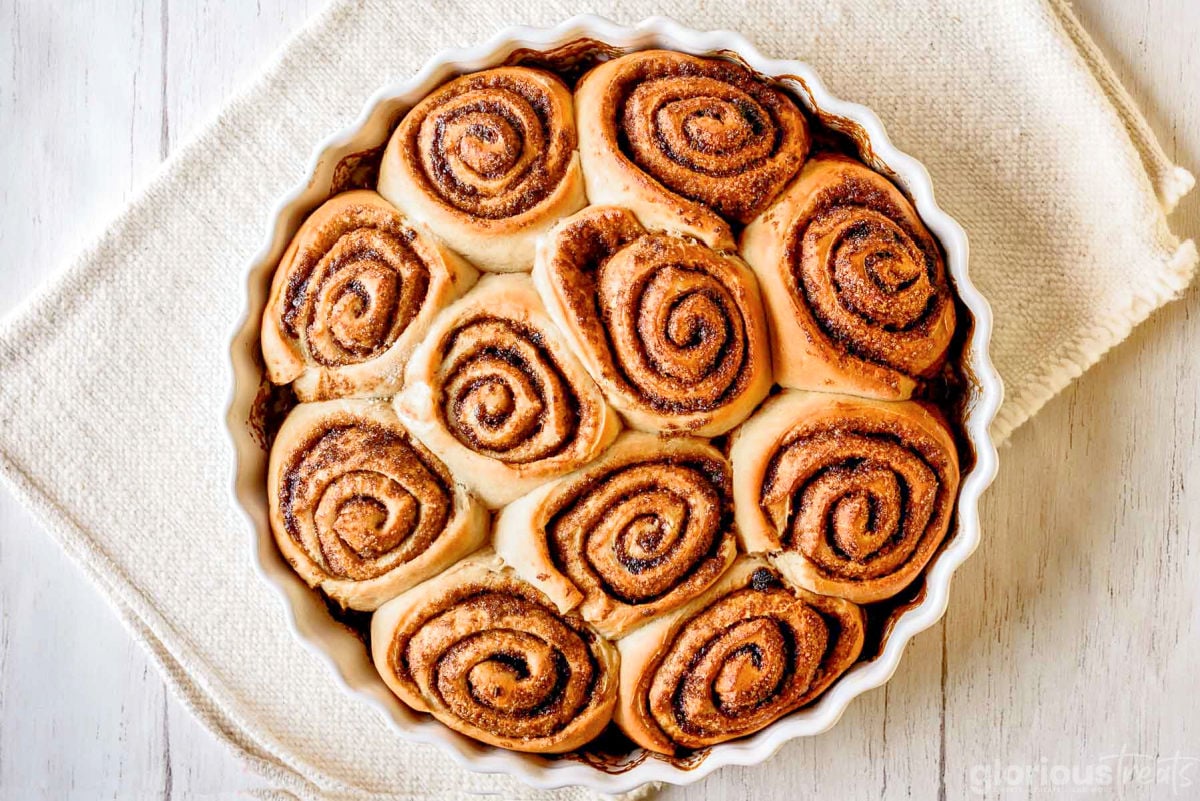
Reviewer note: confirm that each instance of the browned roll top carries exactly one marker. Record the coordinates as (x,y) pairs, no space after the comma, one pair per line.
(854,284)
(361,499)
(646,529)
(863,493)
(355,286)
(505,395)
(706,129)
(676,327)
(498,395)
(488,656)
(493,144)
(746,658)
(874,283)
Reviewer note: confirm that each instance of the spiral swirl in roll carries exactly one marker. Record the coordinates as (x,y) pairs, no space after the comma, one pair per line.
(504,398)
(686,141)
(733,661)
(353,294)
(852,495)
(488,655)
(488,161)
(672,331)
(855,285)
(359,508)
(498,395)
(640,531)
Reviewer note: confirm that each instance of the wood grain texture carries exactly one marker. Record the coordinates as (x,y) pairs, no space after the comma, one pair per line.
(1073,635)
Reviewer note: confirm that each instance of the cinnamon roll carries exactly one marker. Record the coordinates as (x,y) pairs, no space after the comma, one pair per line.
(640,531)
(498,395)
(854,284)
(687,143)
(489,656)
(672,331)
(851,496)
(489,161)
(359,508)
(745,653)
(354,293)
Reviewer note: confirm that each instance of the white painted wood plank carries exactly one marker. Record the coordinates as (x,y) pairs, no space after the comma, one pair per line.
(90,106)
(1073,634)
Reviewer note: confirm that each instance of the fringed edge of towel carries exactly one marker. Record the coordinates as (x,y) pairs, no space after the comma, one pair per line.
(1083,351)
(1171,182)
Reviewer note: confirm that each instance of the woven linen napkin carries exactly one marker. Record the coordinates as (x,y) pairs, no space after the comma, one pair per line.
(113,380)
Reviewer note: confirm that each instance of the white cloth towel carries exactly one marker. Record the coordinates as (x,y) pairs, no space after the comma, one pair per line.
(113,379)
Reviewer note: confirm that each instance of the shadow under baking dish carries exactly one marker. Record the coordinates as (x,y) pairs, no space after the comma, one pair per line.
(968,391)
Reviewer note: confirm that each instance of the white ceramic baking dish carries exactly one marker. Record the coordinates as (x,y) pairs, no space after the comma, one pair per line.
(347,658)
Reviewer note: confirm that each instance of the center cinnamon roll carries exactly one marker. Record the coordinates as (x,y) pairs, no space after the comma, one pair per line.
(687,143)
(488,655)
(643,529)
(672,331)
(498,395)
(489,162)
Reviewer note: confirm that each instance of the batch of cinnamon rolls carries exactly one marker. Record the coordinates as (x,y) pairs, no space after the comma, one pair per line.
(605,404)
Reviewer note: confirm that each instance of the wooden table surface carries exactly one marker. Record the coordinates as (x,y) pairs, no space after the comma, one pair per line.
(1072,642)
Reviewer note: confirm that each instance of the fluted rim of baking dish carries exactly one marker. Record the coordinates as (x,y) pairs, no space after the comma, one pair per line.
(344,653)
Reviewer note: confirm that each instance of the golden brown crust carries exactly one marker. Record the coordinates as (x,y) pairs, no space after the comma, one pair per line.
(351,297)
(488,161)
(639,532)
(359,508)
(488,655)
(687,143)
(851,496)
(497,394)
(672,331)
(854,284)
(745,653)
